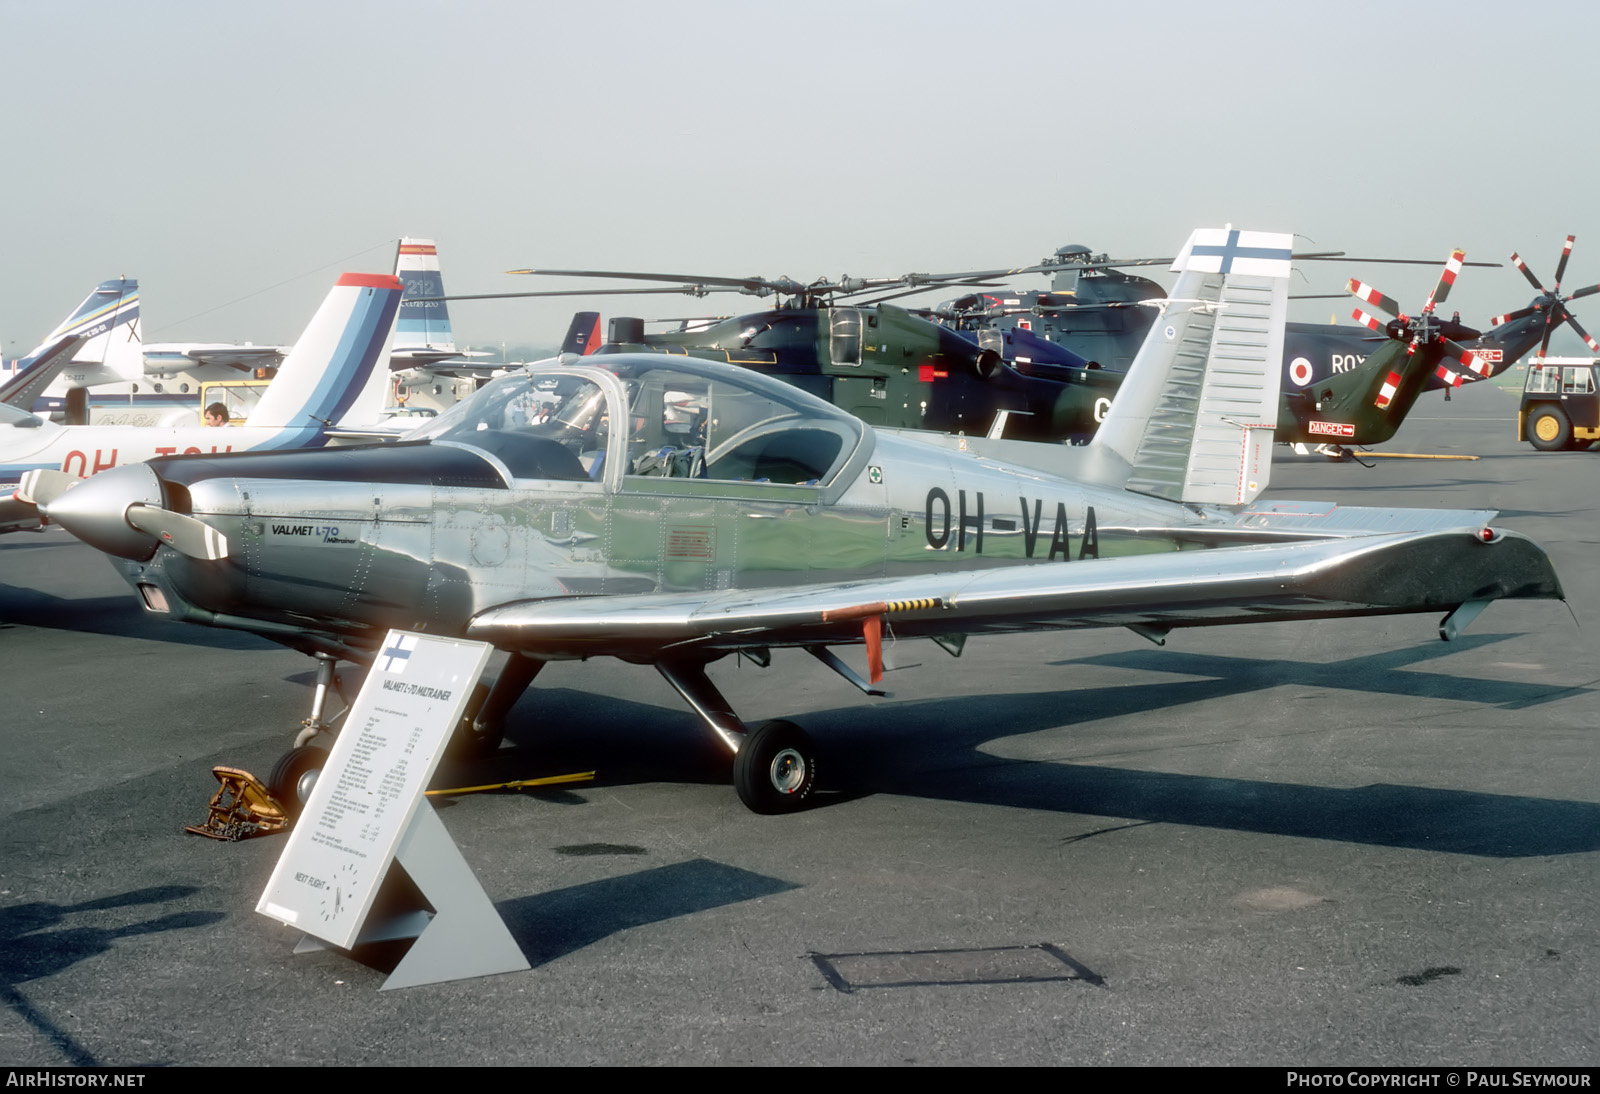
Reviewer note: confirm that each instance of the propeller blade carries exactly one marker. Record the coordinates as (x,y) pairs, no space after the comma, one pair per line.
(1452,267)
(43,485)
(1561,267)
(1362,291)
(184,534)
(1587,340)
(1516,260)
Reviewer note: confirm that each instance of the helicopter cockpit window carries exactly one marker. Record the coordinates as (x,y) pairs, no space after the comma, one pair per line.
(845,335)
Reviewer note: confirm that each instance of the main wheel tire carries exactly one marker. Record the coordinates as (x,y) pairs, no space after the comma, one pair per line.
(775,769)
(294,775)
(1549,430)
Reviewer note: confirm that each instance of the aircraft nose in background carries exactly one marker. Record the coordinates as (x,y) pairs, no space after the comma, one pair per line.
(95,510)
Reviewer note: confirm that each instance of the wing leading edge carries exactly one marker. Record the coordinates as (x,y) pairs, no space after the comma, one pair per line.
(1375,575)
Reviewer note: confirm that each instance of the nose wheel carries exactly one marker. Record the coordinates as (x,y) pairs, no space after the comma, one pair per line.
(294,775)
(775,769)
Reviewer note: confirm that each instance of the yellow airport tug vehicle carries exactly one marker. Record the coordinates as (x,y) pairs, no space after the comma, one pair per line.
(1560,403)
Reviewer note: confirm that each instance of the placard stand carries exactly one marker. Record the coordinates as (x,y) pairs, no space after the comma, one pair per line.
(465,936)
(367,811)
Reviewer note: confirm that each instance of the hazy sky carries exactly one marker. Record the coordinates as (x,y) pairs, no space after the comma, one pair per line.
(235,157)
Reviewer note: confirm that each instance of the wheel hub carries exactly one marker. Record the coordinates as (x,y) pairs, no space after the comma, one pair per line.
(788,771)
(1546,428)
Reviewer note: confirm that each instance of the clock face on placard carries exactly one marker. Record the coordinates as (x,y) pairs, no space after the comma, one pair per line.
(340,893)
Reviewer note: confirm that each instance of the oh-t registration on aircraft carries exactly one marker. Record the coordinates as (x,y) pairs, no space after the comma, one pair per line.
(673,511)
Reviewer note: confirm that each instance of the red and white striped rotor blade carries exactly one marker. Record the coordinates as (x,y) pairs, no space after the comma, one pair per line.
(1362,291)
(1588,340)
(1561,267)
(1516,260)
(1469,360)
(1518,314)
(1452,267)
(1367,319)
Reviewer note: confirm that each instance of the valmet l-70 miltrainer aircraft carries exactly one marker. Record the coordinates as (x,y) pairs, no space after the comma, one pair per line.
(673,511)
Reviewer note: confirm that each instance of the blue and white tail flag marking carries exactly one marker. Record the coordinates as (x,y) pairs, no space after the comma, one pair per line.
(1229,250)
(423,324)
(334,374)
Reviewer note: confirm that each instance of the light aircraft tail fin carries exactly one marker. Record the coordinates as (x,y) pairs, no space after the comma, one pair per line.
(34,373)
(335,374)
(1193,420)
(423,324)
(107,320)
(583,334)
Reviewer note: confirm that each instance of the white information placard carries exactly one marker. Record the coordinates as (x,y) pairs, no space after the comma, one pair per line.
(392,741)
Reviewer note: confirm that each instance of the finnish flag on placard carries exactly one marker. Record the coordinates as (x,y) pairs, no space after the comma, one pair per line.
(1229,250)
(396,654)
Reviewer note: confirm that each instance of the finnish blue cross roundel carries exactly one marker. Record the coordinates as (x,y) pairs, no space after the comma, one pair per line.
(394,657)
(1231,250)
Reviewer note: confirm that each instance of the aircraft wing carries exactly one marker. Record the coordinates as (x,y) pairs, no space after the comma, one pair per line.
(243,357)
(1380,574)
(25,388)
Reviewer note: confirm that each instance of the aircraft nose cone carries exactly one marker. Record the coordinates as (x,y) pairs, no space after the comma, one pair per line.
(95,510)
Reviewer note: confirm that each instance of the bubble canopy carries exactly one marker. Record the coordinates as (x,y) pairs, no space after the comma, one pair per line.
(636,416)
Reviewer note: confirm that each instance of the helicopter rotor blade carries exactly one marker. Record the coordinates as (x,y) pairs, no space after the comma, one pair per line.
(1518,314)
(1447,278)
(1588,340)
(1516,260)
(1362,291)
(682,290)
(1368,320)
(755,286)
(1561,267)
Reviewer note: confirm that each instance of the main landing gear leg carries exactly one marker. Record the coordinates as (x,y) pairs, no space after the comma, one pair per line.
(483,733)
(315,724)
(774,765)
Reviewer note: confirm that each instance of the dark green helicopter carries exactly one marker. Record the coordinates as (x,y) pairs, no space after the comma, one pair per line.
(889,366)
(879,361)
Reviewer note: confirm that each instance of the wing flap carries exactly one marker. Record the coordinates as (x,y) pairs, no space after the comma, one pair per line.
(1375,575)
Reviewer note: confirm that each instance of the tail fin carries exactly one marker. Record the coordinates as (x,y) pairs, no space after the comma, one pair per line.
(583,334)
(34,373)
(1193,420)
(423,324)
(336,373)
(107,320)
